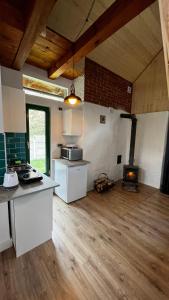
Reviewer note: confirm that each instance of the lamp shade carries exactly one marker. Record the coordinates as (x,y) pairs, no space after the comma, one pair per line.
(72,99)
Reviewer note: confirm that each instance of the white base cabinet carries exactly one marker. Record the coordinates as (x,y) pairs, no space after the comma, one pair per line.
(5,240)
(72,181)
(31,220)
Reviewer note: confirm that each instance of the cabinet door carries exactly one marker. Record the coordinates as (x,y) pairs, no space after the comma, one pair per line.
(77,183)
(33,220)
(61,179)
(5,241)
(76,122)
(72,122)
(67,122)
(14,109)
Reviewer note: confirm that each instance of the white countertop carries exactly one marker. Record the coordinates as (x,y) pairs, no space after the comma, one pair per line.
(71,163)
(26,189)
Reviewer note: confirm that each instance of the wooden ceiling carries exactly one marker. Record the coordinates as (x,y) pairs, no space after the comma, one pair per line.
(11,31)
(67,17)
(48,49)
(127,52)
(20,24)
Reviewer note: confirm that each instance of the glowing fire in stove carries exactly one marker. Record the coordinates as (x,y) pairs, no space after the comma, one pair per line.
(131,174)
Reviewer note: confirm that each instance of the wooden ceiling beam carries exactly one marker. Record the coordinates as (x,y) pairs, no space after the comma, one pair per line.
(36,14)
(115,17)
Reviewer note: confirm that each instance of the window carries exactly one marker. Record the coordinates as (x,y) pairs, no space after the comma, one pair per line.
(44,89)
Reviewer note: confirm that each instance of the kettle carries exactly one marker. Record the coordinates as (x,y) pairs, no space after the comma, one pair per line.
(10,180)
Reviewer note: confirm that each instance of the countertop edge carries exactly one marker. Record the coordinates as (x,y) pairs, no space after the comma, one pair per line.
(25,190)
(72,163)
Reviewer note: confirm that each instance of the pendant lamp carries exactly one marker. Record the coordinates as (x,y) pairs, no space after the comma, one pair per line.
(72,99)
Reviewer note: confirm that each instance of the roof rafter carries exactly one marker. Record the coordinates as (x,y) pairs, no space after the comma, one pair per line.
(115,17)
(36,14)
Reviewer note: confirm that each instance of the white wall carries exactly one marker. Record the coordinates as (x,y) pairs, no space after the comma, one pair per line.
(79,86)
(102,143)
(150,144)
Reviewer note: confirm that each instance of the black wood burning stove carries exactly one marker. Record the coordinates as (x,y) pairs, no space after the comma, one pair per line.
(130,171)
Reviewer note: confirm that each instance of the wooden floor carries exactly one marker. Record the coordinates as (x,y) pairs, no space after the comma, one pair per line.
(111,246)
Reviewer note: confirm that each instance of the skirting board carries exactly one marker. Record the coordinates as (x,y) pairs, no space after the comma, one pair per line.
(5,245)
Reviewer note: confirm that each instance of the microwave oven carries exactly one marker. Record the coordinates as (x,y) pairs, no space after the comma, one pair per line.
(71,153)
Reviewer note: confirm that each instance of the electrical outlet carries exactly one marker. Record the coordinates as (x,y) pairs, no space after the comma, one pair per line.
(102,119)
(119,158)
(129,89)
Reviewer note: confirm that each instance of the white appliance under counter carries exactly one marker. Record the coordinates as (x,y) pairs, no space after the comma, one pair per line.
(72,179)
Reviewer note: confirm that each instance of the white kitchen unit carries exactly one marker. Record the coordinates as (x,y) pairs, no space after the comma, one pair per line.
(72,122)
(31,213)
(5,240)
(72,179)
(14,109)
(31,220)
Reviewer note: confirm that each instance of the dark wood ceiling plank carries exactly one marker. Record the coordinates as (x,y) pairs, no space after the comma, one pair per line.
(115,17)
(9,40)
(11,15)
(38,11)
(57,39)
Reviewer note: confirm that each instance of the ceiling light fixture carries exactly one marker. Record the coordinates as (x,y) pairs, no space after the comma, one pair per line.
(72,98)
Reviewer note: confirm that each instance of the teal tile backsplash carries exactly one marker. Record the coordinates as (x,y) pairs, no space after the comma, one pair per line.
(15,147)
(2,158)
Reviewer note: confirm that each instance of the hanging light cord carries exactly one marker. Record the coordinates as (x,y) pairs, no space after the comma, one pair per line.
(86,20)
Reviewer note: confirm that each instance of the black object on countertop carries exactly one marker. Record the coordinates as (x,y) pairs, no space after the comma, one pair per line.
(26,174)
(29,176)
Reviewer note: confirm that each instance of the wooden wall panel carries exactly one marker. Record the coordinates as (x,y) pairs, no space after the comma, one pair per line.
(164,17)
(150,89)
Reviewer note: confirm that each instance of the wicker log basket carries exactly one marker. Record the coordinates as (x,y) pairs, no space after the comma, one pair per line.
(103,183)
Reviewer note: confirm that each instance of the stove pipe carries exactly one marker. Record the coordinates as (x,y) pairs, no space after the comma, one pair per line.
(133,135)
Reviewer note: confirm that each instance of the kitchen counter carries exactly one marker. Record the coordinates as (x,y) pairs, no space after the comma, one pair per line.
(31,213)
(74,163)
(27,189)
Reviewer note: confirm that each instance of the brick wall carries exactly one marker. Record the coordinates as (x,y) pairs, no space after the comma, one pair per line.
(106,88)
